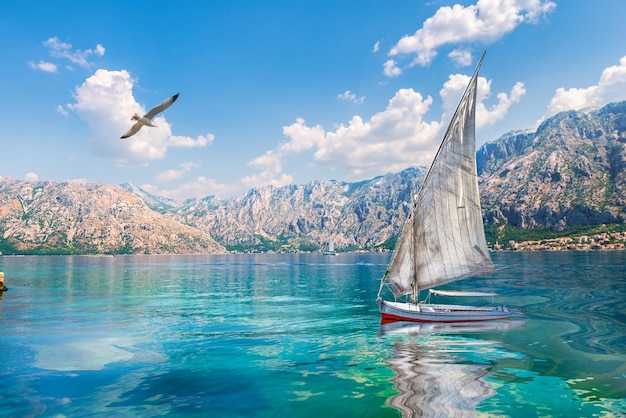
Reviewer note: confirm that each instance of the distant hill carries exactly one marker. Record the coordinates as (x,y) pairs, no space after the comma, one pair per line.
(159,203)
(570,172)
(357,215)
(75,218)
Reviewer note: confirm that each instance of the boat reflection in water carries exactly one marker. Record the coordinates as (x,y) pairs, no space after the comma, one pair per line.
(439,370)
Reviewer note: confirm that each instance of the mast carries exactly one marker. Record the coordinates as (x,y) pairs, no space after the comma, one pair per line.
(415,284)
(443,240)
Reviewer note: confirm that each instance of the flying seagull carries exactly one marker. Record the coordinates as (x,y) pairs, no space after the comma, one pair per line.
(146,120)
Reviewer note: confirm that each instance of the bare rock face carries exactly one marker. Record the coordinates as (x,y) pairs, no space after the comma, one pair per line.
(359,215)
(90,218)
(571,171)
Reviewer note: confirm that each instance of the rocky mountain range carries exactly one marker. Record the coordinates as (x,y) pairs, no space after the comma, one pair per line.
(570,171)
(304,217)
(76,218)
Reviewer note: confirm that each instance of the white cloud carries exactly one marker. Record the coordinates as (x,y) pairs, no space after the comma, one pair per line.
(489,116)
(199,188)
(462,58)
(391,140)
(62,111)
(188,142)
(351,97)
(45,66)
(270,173)
(106,102)
(301,137)
(172,174)
(455,86)
(484,22)
(390,69)
(64,50)
(611,87)
(30,176)
(269,166)
(376,47)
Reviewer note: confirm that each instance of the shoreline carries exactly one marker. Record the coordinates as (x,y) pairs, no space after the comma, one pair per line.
(522,248)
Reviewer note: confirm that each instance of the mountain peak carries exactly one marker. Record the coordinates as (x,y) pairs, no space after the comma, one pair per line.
(570,172)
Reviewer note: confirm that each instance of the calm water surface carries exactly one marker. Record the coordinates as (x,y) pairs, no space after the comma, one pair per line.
(299,336)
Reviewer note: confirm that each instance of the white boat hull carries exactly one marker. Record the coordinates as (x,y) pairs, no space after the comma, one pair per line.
(423,312)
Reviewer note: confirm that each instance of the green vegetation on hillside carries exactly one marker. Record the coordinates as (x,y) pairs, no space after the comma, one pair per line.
(506,233)
(389,244)
(502,235)
(282,244)
(6,247)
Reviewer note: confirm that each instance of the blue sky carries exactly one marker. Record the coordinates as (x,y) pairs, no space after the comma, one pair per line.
(284,91)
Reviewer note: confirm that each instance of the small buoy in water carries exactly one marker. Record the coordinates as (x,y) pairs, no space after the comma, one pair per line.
(2,286)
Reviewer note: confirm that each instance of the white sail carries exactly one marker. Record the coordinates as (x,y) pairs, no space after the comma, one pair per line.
(400,272)
(444,240)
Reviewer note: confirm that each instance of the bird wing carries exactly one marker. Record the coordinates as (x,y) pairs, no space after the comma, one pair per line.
(161,107)
(136,127)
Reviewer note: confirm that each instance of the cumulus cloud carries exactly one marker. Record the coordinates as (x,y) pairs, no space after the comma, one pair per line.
(106,102)
(484,22)
(390,68)
(270,172)
(64,50)
(386,141)
(462,58)
(199,187)
(173,174)
(376,47)
(350,97)
(391,140)
(62,111)
(455,86)
(44,66)
(188,142)
(488,116)
(30,176)
(611,87)
(269,166)
(301,138)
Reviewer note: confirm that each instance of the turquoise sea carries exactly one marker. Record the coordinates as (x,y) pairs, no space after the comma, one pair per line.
(299,335)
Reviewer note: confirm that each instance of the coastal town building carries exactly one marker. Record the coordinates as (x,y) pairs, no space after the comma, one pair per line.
(602,241)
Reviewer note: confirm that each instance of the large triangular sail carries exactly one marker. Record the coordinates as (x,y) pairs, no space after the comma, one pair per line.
(443,240)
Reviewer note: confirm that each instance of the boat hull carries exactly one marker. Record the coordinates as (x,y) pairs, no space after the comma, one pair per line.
(422,312)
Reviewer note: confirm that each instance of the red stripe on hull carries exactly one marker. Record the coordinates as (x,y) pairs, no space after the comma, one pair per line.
(387,318)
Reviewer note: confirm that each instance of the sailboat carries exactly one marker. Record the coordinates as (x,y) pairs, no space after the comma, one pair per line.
(443,240)
(331,247)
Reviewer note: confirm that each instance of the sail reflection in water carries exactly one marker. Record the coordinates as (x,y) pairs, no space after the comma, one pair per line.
(437,368)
